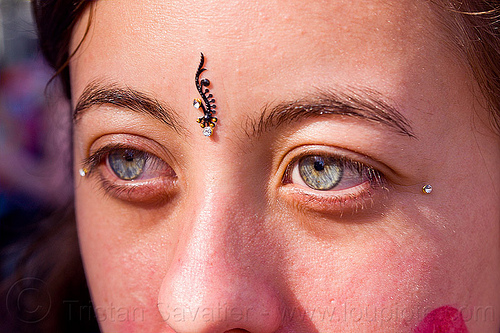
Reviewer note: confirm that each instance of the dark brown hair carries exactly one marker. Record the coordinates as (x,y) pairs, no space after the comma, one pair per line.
(55,20)
(474,27)
(47,291)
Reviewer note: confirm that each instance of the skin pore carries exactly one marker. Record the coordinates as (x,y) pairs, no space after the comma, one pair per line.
(220,233)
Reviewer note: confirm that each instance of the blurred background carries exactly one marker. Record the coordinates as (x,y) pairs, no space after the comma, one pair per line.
(34,129)
(40,265)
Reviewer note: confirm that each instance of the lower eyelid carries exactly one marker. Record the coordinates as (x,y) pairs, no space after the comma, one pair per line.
(152,191)
(353,191)
(342,202)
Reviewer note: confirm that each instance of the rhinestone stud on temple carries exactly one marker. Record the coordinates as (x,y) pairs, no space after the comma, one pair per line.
(206,103)
(427,189)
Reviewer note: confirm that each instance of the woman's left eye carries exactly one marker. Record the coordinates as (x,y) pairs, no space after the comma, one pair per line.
(326,173)
(319,172)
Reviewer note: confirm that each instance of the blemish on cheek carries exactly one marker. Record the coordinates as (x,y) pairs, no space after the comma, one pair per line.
(445,319)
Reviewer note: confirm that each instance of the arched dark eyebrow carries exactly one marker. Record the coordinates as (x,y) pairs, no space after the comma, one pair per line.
(97,94)
(365,104)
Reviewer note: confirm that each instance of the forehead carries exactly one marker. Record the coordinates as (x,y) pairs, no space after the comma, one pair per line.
(261,52)
(240,36)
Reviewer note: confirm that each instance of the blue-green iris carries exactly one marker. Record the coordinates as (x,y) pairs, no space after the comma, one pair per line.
(128,164)
(320,172)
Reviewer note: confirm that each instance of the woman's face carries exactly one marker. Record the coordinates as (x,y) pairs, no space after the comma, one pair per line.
(304,211)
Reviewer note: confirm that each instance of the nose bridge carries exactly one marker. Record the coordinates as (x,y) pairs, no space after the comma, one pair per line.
(224,221)
(217,278)
(210,240)
(225,209)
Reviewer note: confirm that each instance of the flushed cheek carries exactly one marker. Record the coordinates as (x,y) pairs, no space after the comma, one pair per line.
(368,287)
(124,275)
(125,299)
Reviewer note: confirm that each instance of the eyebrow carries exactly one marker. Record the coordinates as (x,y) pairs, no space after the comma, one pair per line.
(97,94)
(366,104)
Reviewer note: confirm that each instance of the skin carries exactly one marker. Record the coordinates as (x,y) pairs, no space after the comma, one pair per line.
(227,245)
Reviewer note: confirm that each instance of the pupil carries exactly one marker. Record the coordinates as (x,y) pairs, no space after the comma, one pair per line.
(128,156)
(319,165)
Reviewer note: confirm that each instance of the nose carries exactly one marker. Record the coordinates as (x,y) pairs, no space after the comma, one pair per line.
(220,277)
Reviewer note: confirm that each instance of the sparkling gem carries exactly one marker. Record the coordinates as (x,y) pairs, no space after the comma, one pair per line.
(83,172)
(427,189)
(197,103)
(207,131)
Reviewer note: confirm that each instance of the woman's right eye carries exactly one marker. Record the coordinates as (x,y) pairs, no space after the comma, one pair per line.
(133,165)
(131,174)
(127,164)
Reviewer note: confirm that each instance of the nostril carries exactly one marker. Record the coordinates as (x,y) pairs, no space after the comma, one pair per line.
(237,330)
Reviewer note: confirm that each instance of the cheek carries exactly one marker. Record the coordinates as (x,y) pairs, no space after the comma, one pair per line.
(370,284)
(124,267)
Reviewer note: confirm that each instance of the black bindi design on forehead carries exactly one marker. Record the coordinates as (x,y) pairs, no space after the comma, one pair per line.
(206,103)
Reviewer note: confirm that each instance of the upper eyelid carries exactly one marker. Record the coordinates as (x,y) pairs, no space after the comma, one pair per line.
(297,152)
(96,157)
(333,152)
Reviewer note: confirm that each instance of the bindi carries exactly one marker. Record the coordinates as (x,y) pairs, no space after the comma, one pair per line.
(207,105)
